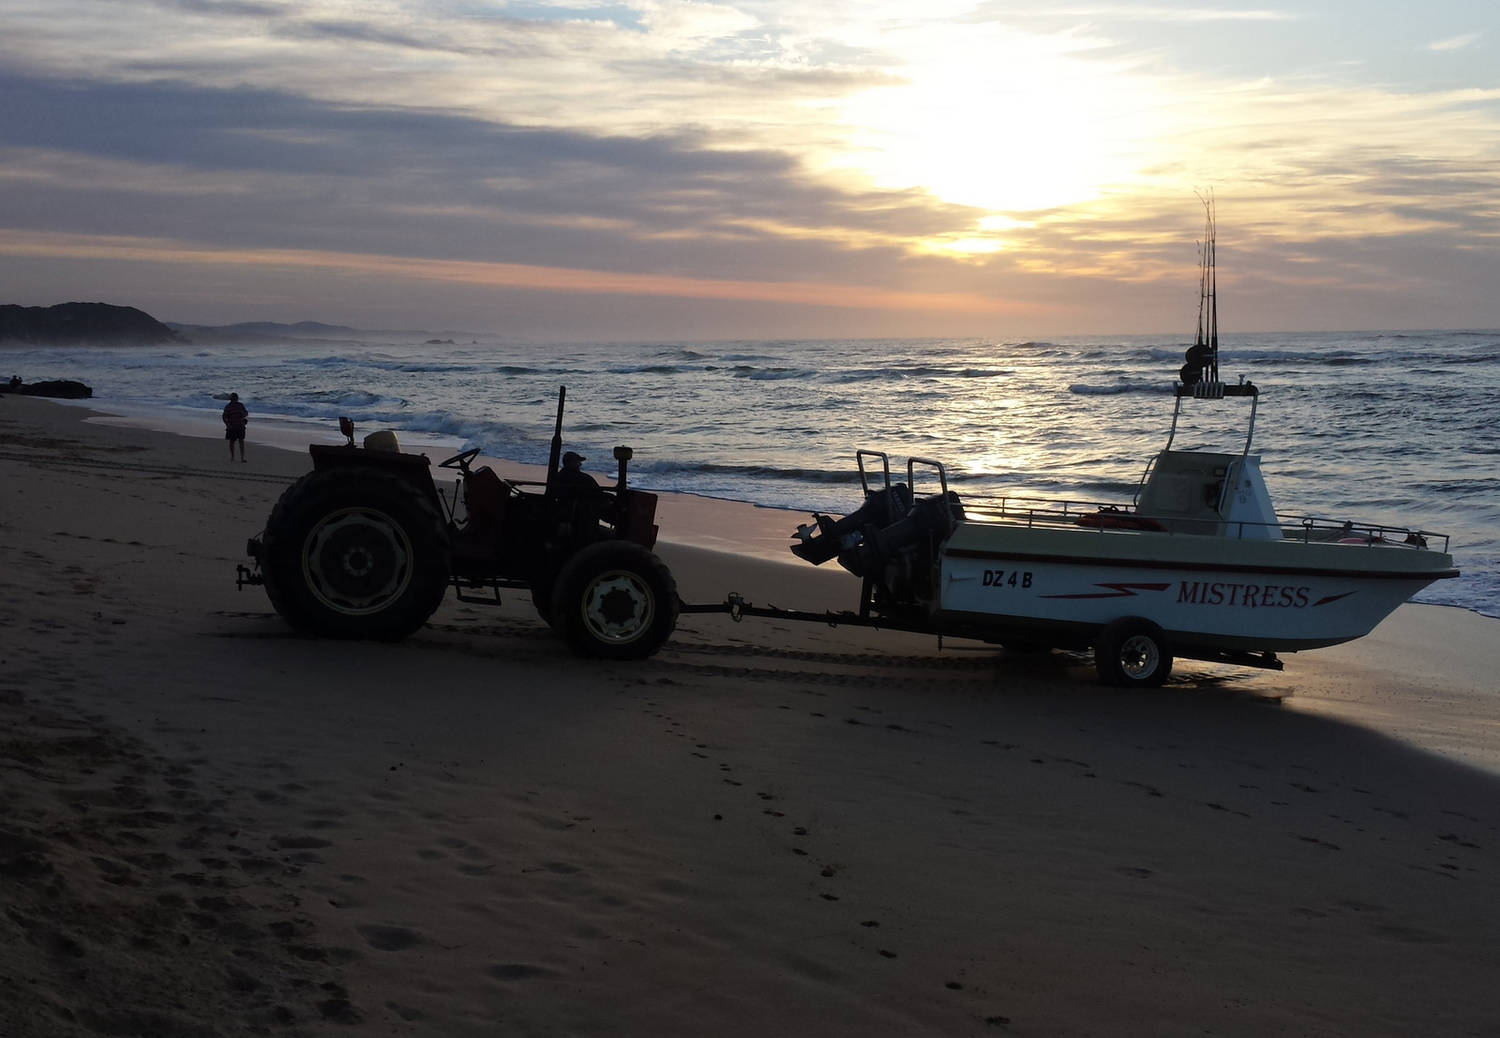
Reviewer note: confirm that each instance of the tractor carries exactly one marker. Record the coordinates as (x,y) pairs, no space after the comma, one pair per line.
(365,546)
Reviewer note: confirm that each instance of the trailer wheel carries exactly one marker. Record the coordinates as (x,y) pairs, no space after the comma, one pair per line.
(1132,652)
(355,553)
(614,600)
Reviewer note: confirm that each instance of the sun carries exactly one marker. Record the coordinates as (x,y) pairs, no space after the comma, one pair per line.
(1008,125)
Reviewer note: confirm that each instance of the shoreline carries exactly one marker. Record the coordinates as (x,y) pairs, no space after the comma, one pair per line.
(214,826)
(763,532)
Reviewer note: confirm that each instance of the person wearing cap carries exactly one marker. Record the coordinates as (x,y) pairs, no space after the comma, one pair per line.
(571,476)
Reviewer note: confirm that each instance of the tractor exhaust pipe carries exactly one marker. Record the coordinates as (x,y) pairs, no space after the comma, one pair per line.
(556,455)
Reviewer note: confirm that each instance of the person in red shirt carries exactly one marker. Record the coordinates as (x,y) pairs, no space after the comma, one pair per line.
(236,417)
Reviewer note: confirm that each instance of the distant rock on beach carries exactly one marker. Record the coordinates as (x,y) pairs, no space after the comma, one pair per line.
(82,324)
(57,388)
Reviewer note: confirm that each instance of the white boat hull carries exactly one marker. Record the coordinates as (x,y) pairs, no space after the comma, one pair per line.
(1207,593)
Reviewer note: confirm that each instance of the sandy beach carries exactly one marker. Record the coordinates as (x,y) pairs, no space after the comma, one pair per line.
(215,827)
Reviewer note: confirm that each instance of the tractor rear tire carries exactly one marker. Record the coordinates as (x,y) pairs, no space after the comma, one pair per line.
(541,600)
(355,553)
(614,600)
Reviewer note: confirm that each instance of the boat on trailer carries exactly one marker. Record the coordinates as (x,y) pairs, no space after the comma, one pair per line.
(1199,564)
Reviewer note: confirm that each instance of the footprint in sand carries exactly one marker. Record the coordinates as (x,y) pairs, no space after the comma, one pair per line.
(518,971)
(390,938)
(339,1009)
(304,846)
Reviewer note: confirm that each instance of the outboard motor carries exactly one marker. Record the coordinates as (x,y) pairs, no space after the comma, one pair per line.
(929,518)
(835,537)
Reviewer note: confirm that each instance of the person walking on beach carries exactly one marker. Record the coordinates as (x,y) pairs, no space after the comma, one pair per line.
(236,417)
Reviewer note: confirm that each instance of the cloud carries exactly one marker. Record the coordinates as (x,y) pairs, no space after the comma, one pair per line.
(1463,42)
(1002,151)
(507,275)
(250,164)
(237,8)
(1165,13)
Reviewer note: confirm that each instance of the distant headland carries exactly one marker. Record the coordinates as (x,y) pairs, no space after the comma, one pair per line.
(76,324)
(105,324)
(263,331)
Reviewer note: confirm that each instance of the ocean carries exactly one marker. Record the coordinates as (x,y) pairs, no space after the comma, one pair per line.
(1397,428)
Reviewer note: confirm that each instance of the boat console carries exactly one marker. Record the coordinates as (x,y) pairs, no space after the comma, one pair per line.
(1206,493)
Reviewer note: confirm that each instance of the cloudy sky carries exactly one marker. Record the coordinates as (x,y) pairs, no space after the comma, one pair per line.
(754,169)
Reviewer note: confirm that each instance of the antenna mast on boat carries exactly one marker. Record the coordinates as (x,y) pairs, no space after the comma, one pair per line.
(1199,376)
(1210,246)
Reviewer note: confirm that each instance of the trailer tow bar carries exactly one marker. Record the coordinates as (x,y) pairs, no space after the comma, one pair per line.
(737,608)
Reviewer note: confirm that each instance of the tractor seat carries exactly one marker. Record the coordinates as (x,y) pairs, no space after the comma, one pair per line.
(485,494)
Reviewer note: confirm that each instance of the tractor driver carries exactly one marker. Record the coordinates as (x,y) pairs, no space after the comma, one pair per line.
(572,477)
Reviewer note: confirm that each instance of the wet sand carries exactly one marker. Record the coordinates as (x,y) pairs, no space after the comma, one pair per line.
(213,826)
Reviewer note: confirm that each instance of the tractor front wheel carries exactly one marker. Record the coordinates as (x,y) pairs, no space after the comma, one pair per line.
(614,600)
(355,553)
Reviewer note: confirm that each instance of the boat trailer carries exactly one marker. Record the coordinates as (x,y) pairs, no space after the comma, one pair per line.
(737,608)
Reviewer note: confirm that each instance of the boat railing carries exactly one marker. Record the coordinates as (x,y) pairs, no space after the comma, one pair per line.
(1145,478)
(1314,530)
(1033,511)
(864,476)
(952,506)
(1113,518)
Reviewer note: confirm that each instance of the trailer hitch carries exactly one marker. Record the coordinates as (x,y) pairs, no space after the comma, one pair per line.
(737,608)
(244,574)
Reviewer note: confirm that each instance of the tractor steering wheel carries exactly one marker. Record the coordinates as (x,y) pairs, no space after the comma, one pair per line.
(460,460)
